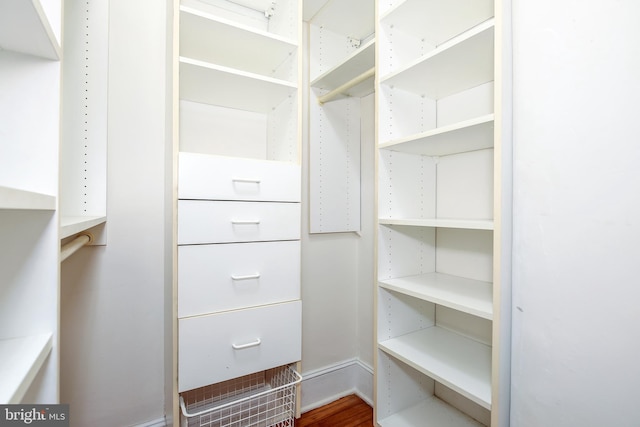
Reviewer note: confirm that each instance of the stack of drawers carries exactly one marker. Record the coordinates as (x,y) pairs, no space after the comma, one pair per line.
(239,308)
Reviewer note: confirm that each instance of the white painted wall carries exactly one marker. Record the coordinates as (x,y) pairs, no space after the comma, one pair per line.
(337,286)
(337,278)
(113,296)
(576,214)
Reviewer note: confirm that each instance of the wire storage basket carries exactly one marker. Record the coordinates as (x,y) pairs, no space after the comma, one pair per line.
(263,399)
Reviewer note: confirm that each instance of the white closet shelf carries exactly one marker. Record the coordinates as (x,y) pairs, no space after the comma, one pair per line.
(25,28)
(460,363)
(461,63)
(351,67)
(339,16)
(13,198)
(469,135)
(469,296)
(213,84)
(437,21)
(20,361)
(431,412)
(469,224)
(244,47)
(70,225)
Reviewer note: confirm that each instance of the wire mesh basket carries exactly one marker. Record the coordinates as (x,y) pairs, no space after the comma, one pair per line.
(263,399)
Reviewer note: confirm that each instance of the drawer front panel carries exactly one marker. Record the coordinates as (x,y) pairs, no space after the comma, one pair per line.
(208,177)
(222,346)
(226,222)
(214,278)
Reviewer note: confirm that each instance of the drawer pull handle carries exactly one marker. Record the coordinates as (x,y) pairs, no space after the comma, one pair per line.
(248,222)
(250,181)
(255,343)
(247,277)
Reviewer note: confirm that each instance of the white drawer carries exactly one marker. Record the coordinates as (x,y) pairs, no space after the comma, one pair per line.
(225,222)
(215,278)
(203,176)
(222,346)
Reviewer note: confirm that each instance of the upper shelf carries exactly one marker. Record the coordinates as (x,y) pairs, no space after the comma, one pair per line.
(436,21)
(25,28)
(217,85)
(355,18)
(467,224)
(13,198)
(237,46)
(70,225)
(351,67)
(459,64)
(20,361)
(469,135)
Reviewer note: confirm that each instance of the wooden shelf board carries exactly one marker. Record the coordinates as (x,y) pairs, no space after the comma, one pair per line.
(217,85)
(24,28)
(470,224)
(354,65)
(70,225)
(469,296)
(469,135)
(455,361)
(431,412)
(20,361)
(13,198)
(239,46)
(459,64)
(438,21)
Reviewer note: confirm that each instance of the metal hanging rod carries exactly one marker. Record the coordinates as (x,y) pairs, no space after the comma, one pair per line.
(72,247)
(346,86)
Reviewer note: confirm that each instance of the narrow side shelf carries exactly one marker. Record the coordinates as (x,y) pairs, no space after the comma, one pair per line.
(217,85)
(70,225)
(353,66)
(431,412)
(262,52)
(455,361)
(463,62)
(469,224)
(469,296)
(20,361)
(24,28)
(469,135)
(13,198)
(353,17)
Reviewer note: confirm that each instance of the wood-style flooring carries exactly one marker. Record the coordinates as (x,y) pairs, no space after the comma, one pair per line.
(349,411)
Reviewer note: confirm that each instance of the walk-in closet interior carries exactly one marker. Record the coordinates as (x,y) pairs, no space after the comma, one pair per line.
(231,212)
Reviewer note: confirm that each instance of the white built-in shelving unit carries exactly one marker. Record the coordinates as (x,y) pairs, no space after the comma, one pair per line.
(342,68)
(238,158)
(29,243)
(83,144)
(438,302)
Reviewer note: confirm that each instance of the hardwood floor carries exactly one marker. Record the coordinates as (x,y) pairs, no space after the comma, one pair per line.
(349,411)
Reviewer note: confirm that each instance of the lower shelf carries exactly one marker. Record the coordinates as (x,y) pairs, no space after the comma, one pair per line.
(457,362)
(431,412)
(263,399)
(20,361)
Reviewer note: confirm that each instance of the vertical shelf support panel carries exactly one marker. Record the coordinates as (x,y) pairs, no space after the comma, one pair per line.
(83,173)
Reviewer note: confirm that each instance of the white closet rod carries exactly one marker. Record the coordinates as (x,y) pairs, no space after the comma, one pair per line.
(70,248)
(346,86)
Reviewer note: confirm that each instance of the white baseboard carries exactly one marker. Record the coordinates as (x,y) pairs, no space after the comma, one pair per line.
(325,385)
(160,422)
